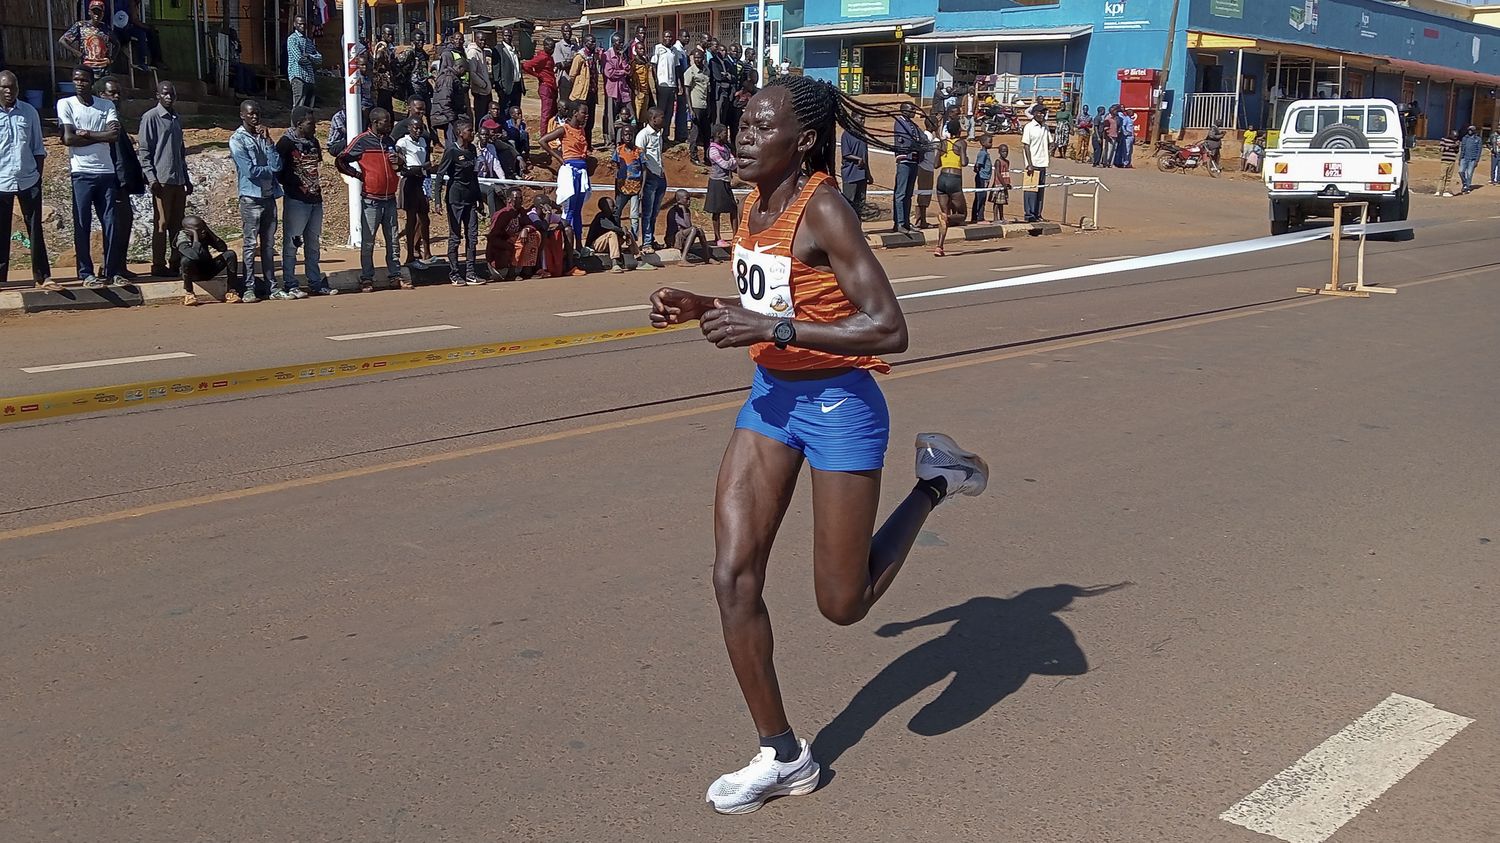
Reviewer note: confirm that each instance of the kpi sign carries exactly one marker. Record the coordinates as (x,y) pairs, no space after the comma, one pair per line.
(1114,8)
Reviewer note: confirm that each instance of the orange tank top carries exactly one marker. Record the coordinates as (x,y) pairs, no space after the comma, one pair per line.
(575,143)
(771,280)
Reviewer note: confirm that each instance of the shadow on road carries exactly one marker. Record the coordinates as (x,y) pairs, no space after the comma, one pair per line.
(994,645)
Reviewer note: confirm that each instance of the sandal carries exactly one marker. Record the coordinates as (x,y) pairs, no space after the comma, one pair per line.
(189,299)
(938,253)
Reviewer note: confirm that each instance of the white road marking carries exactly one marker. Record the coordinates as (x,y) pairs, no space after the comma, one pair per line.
(916,278)
(1115,258)
(625,309)
(114,361)
(1021,267)
(1329,786)
(394,332)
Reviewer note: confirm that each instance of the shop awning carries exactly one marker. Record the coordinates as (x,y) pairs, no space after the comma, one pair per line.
(861,27)
(1437,73)
(1054,33)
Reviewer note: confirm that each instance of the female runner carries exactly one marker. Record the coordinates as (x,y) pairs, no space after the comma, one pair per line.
(815,307)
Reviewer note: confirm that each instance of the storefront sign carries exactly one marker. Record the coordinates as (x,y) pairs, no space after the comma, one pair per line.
(1304,16)
(1227,8)
(864,8)
(1117,18)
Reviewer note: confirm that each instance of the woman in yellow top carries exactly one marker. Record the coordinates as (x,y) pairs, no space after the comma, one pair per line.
(950,181)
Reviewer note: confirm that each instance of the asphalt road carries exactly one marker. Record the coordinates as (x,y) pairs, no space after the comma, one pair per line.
(473,602)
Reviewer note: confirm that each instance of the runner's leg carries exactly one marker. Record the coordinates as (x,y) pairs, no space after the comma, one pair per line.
(756,481)
(851,570)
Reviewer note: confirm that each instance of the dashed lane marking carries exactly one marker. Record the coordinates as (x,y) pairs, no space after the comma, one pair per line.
(603,310)
(1022,267)
(917,278)
(1326,788)
(394,332)
(113,361)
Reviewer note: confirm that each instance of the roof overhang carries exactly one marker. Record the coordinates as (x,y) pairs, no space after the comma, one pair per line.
(1040,34)
(861,27)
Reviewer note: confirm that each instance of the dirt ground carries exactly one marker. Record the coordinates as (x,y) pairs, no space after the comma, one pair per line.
(214,199)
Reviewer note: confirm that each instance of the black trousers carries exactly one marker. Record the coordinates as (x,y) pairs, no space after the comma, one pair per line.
(31,214)
(666,95)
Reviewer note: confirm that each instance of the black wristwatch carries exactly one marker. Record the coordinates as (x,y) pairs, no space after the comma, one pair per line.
(784,334)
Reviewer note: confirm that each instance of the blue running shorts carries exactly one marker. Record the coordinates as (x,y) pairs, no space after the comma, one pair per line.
(839,423)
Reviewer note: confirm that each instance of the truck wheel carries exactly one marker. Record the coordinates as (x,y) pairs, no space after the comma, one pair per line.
(1339,136)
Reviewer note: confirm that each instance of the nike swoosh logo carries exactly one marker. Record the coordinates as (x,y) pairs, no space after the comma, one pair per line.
(828,408)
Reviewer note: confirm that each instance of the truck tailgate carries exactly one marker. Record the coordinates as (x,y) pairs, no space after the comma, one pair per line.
(1349,171)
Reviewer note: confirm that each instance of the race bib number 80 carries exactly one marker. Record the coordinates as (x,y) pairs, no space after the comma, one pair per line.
(764,281)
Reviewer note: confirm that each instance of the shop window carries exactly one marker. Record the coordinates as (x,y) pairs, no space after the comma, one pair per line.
(697,23)
(728,30)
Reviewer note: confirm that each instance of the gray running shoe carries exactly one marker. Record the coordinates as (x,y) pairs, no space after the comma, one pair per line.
(283,295)
(939,456)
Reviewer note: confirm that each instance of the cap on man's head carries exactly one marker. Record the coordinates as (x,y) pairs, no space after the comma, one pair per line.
(96,4)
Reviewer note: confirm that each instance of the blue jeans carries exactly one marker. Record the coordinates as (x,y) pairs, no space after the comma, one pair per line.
(94,195)
(652,191)
(258,224)
(906,182)
(304,220)
(381,214)
(1032,200)
(573,210)
(1466,172)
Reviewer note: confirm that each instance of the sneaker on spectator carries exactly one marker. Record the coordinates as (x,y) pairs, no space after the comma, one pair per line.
(474,281)
(93,283)
(641,264)
(282,295)
(325,291)
(456,280)
(616,269)
(298,293)
(119,281)
(249,297)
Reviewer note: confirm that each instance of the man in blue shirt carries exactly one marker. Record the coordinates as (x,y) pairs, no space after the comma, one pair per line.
(910,146)
(855,169)
(1468,157)
(258,165)
(302,58)
(21,158)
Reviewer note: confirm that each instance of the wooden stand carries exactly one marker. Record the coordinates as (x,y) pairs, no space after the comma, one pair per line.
(1335,286)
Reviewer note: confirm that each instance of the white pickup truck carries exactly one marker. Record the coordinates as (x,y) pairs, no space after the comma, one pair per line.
(1332,151)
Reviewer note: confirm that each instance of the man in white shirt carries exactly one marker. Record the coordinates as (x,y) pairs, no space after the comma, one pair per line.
(664,70)
(654,185)
(21,159)
(89,125)
(1036,147)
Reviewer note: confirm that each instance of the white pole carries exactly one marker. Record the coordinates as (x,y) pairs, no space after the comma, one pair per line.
(52,50)
(197,41)
(351,111)
(1239,75)
(760,41)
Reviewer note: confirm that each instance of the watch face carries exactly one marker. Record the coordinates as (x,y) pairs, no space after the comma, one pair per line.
(783,332)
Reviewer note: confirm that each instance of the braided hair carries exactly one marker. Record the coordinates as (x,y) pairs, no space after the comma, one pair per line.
(820,106)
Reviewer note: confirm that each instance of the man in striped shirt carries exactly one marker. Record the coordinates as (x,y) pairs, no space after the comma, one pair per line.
(302,58)
(1448,150)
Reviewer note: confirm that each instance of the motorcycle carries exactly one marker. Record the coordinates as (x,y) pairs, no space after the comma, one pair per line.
(996,119)
(1170,156)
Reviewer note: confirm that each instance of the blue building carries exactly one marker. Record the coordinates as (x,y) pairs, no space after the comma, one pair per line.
(1236,62)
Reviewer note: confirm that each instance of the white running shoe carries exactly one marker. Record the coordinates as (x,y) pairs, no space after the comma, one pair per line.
(939,456)
(765,778)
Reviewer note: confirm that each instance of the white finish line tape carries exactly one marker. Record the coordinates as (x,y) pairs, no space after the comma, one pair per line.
(1326,788)
(1222,250)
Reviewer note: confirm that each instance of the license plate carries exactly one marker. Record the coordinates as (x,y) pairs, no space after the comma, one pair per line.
(1333,170)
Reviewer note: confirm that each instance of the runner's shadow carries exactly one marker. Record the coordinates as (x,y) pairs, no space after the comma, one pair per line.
(994,645)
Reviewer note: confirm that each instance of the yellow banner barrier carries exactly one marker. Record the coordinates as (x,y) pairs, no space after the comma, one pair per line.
(148,393)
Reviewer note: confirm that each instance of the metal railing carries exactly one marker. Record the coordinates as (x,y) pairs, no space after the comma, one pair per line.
(1204,110)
